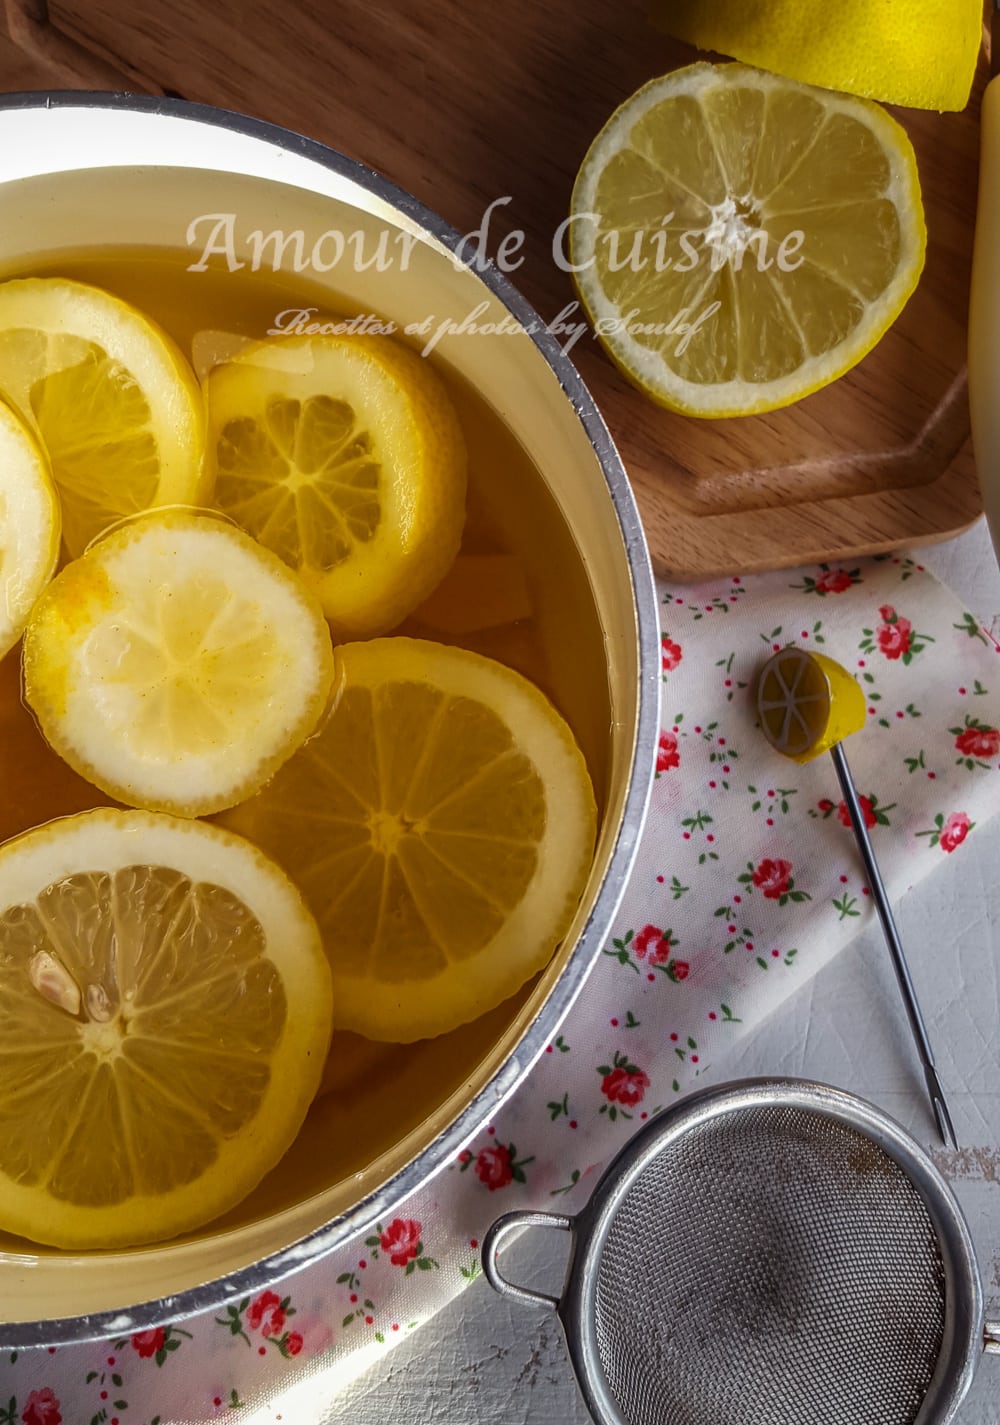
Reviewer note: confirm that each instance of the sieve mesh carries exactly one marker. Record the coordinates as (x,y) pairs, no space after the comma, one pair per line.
(770,1267)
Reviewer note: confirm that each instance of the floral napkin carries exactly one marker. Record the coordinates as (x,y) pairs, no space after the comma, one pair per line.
(747,881)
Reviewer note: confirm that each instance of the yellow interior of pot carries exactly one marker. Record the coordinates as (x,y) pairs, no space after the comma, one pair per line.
(392,1103)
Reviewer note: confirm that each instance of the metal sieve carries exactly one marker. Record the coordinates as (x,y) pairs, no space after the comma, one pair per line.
(774,1252)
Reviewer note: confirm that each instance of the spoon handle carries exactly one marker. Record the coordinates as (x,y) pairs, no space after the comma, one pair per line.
(900,966)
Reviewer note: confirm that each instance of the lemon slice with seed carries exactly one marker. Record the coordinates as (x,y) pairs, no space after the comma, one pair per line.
(441,827)
(740,240)
(345,457)
(29,526)
(165,1007)
(807,703)
(177,664)
(111,398)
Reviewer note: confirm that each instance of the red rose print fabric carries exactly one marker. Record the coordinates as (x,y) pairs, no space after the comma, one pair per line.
(773,878)
(667,756)
(41,1408)
(833,581)
(955,830)
(746,882)
(493,1167)
(147,1343)
(401,1241)
(652,945)
(266,1314)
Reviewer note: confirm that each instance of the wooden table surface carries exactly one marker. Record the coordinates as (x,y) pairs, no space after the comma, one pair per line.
(460,107)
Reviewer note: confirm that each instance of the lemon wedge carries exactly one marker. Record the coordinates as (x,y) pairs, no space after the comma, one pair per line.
(345,457)
(29,526)
(165,1008)
(916,52)
(441,827)
(741,240)
(110,397)
(807,703)
(177,664)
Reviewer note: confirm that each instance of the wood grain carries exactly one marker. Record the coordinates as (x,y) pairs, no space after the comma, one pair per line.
(62,58)
(460,109)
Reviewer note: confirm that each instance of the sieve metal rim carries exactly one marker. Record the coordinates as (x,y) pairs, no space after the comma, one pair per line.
(962,1342)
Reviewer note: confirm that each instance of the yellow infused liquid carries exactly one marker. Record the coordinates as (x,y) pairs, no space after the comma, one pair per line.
(517,593)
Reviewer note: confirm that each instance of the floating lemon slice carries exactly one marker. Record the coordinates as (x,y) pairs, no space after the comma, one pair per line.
(111,398)
(29,526)
(165,1005)
(345,457)
(741,240)
(807,703)
(441,827)
(177,664)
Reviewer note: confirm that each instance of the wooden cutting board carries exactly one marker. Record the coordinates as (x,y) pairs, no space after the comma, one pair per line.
(461,105)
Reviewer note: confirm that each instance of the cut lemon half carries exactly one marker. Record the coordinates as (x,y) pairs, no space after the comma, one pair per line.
(112,400)
(441,827)
(165,1006)
(807,703)
(740,240)
(29,526)
(177,664)
(345,457)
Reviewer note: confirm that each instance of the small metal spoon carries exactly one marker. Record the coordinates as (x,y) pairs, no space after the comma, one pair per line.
(876,884)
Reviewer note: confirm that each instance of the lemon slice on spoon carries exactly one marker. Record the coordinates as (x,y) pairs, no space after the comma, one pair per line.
(807,703)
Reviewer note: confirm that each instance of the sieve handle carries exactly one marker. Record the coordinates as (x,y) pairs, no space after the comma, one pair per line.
(992,1338)
(502,1228)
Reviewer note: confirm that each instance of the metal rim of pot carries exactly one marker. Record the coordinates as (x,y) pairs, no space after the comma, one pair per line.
(443,1149)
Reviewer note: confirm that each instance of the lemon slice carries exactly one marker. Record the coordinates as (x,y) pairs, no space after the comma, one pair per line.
(177,664)
(29,527)
(441,827)
(111,398)
(807,703)
(345,457)
(165,1007)
(741,240)
(917,52)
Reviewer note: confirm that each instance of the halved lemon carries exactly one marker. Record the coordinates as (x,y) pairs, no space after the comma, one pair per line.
(29,526)
(177,664)
(441,827)
(164,1016)
(112,400)
(345,457)
(740,240)
(806,703)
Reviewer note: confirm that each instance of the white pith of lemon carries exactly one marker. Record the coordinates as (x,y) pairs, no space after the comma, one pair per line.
(787,223)
(177,663)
